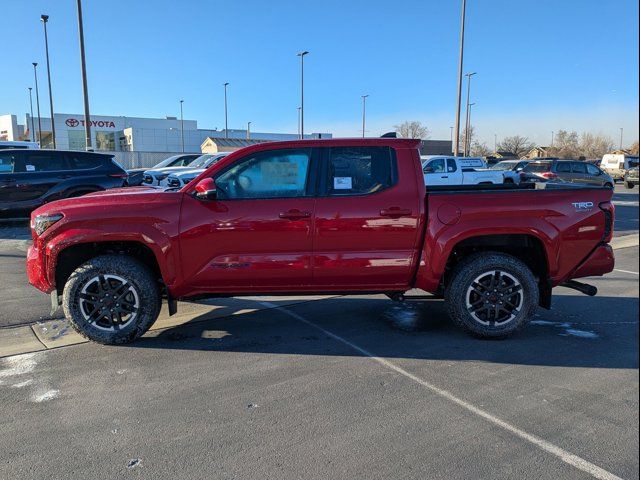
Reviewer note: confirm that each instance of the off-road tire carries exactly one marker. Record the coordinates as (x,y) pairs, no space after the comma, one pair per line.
(608,185)
(140,278)
(629,185)
(471,268)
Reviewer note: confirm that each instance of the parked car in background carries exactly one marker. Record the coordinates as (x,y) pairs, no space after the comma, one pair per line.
(442,170)
(617,164)
(30,178)
(136,174)
(180,179)
(631,178)
(10,144)
(572,171)
(157,177)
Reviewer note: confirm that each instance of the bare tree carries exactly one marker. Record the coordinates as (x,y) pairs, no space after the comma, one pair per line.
(412,129)
(480,150)
(516,144)
(633,149)
(594,145)
(463,138)
(565,145)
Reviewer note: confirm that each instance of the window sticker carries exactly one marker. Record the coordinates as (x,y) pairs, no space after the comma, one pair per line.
(342,183)
(30,168)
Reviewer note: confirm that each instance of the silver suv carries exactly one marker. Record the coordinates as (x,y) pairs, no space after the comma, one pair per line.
(572,171)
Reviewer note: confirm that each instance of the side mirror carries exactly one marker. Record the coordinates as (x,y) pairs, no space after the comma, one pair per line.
(428,170)
(206,189)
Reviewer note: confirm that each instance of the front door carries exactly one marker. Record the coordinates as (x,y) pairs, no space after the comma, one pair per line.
(8,184)
(366,219)
(256,236)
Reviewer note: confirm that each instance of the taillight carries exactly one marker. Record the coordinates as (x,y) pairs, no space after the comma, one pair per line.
(609,211)
(548,175)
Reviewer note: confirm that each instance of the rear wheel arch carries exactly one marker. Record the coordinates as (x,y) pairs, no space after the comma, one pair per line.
(525,247)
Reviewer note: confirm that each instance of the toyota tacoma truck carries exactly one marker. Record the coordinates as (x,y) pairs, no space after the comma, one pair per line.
(347,216)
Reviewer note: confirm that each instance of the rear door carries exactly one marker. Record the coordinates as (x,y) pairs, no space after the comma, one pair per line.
(9,163)
(579,173)
(367,215)
(563,171)
(41,171)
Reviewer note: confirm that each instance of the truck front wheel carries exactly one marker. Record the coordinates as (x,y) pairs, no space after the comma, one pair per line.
(111,299)
(491,294)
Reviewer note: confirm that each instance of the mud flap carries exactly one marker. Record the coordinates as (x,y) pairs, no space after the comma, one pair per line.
(55,303)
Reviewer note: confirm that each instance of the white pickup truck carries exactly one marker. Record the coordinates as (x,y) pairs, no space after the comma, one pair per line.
(443,170)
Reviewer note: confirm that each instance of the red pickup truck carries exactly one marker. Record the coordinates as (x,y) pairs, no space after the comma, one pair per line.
(314,217)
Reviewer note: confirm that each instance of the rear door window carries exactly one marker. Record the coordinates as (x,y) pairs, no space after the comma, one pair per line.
(360,170)
(84,162)
(45,162)
(564,167)
(578,167)
(451,165)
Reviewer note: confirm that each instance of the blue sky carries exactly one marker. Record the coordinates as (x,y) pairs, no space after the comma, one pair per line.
(542,65)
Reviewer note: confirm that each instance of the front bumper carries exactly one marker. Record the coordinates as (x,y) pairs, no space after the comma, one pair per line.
(601,261)
(37,271)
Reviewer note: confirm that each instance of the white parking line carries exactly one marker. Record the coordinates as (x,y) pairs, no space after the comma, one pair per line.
(565,456)
(625,203)
(625,271)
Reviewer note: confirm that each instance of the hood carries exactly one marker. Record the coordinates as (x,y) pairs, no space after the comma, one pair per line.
(189,173)
(136,170)
(166,170)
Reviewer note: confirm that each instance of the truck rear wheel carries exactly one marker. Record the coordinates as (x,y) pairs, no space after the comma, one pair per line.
(491,295)
(111,299)
(629,185)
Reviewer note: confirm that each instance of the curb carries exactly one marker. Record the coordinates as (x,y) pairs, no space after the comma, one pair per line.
(625,241)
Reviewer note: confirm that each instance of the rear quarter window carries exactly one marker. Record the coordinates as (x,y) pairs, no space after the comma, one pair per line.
(85,162)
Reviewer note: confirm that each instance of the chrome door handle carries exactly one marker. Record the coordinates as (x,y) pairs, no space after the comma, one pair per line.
(294,215)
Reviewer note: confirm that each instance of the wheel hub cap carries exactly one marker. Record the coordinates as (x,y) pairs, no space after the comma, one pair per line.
(494,298)
(109,302)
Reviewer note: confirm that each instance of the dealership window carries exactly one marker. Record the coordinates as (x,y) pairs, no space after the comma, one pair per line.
(106,141)
(77,140)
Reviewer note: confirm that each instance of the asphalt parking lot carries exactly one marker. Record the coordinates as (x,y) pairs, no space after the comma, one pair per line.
(330,387)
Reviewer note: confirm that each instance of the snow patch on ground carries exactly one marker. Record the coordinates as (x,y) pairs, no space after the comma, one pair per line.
(18,365)
(44,396)
(568,331)
(579,333)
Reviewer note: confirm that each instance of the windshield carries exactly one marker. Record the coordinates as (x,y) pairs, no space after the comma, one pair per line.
(165,163)
(200,161)
(503,166)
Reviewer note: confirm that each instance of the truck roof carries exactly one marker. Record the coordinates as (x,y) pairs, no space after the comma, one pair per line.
(339,142)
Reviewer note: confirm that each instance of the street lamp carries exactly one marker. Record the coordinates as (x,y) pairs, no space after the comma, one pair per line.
(248,130)
(364,111)
(33,128)
(45,19)
(298,109)
(456,149)
(181,126)
(35,76)
(451,135)
(467,137)
(226,124)
(466,128)
(85,91)
(301,55)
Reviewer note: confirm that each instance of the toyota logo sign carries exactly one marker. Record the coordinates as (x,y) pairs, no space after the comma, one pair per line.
(72,122)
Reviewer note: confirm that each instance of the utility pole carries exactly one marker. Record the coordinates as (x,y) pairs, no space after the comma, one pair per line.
(35,75)
(466,129)
(45,19)
(299,109)
(85,90)
(621,133)
(456,149)
(248,130)
(226,124)
(467,137)
(364,111)
(181,126)
(301,55)
(33,128)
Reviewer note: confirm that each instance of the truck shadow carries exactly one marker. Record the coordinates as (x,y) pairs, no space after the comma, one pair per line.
(417,330)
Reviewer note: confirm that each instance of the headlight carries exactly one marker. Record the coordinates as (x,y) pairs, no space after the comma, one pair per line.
(162,176)
(41,223)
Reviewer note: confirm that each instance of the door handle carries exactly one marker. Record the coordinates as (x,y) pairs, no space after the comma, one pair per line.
(395,212)
(444,176)
(294,215)
(65,176)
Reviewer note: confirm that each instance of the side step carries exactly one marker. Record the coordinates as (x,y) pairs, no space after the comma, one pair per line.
(581,287)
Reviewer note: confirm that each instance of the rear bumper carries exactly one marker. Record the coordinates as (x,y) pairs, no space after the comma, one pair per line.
(601,261)
(36,270)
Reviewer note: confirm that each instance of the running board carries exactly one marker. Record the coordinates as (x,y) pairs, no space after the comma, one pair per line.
(581,287)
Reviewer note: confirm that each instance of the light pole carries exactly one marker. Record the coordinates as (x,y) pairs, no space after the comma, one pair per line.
(33,128)
(451,136)
(456,148)
(298,109)
(466,128)
(621,133)
(467,138)
(301,55)
(364,112)
(85,91)
(35,75)
(181,126)
(226,124)
(248,130)
(45,19)
(552,139)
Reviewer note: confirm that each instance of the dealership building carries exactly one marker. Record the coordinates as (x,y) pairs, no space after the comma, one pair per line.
(125,134)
